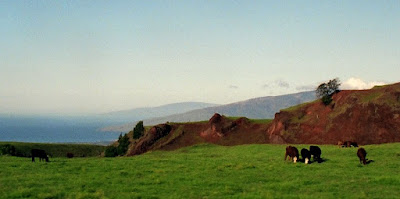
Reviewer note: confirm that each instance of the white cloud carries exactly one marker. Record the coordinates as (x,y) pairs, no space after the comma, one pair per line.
(306,87)
(276,84)
(233,87)
(358,84)
(282,84)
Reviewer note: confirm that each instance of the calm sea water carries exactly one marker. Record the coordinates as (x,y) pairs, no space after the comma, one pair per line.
(53,130)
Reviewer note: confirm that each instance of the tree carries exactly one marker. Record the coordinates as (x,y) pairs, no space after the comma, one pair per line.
(111,151)
(7,149)
(123,144)
(326,90)
(120,137)
(138,131)
(121,149)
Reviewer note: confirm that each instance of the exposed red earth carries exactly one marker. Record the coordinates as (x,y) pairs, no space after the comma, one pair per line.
(219,130)
(365,116)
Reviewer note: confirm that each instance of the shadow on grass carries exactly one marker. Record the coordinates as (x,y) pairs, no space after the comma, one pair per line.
(321,160)
(369,161)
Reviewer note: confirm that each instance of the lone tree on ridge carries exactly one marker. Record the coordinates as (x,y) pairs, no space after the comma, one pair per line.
(326,90)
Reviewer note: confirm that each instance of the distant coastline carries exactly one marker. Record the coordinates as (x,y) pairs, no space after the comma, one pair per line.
(40,130)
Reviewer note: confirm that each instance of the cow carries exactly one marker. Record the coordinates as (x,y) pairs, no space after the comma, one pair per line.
(349,144)
(293,153)
(315,152)
(306,155)
(70,155)
(340,144)
(41,154)
(354,144)
(362,154)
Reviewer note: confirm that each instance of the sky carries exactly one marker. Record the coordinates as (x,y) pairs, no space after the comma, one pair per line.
(89,57)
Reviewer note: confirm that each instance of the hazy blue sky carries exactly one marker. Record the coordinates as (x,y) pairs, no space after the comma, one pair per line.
(78,57)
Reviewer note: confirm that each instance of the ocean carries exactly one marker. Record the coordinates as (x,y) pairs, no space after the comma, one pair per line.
(54,130)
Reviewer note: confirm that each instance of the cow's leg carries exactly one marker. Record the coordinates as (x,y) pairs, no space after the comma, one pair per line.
(33,158)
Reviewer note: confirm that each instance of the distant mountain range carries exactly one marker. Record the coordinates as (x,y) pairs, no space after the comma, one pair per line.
(257,108)
(125,116)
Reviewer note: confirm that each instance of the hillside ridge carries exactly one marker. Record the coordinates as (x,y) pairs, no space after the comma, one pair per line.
(365,116)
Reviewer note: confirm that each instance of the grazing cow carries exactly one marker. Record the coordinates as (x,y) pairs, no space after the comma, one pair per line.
(354,144)
(346,144)
(70,155)
(41,154)
(349,144)
(315,152)
(362,154)
(292,152)
(306,155)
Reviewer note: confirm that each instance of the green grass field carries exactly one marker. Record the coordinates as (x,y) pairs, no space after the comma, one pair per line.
(208,171)
(57,150)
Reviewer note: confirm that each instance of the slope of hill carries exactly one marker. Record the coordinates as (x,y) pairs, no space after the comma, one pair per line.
(366,116)
(219,130)
(257,108)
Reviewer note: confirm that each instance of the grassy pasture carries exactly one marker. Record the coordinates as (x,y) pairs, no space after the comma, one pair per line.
(57,150)
(208,171)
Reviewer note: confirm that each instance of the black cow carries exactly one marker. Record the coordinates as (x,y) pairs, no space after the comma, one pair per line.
(354,144)
(362,154)
(306,155)
(41,154)
(70,155)
(349,144)
(315,152)
(292,152)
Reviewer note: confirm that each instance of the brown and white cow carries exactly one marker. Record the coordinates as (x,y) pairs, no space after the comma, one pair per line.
(362,154)
(292,152)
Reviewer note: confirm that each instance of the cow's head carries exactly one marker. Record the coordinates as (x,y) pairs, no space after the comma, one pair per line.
(295,159)
(306,160)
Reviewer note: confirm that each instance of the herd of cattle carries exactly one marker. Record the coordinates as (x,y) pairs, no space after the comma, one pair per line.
(315,152)
(291,151)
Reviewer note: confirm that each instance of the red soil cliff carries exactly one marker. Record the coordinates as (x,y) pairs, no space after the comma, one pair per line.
(366,116)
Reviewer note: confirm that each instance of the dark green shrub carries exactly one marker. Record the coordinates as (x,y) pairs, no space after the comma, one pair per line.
(7,149)
(123,144)
(111,151)
(138,131)
(326,99)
